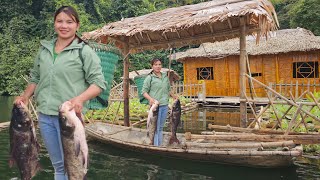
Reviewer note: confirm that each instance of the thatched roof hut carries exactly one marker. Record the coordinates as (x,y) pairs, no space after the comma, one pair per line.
(211,21)
(192,24)
(289,56)
(282,41)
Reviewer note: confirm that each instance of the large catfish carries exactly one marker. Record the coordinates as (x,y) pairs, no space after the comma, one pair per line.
(175,119)
(24,147)
(152,121)
(75,147)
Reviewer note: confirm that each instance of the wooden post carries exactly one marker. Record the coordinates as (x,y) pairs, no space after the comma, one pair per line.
(204,91)
(243,71)
(126,111)
(297,89)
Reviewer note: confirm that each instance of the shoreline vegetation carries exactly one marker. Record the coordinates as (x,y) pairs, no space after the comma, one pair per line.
(138,112)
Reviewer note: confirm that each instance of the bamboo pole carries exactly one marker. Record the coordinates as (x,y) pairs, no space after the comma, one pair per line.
(298,139)
(139,122)
(254,113)
(275,112)
(290,86)
(297,89)
(285,102)
(302,116)
(314,99)
(255,131)
(284,115)
(243,71)
(293,120)
(241,145)
(261,112)
(284,98)
(33,109)
(303,119)
(126,84)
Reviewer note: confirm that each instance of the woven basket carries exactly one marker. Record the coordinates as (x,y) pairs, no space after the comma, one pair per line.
(139,82)
(109,56)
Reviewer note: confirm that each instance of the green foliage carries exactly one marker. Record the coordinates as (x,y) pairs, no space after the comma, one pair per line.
(305,14)
(281,110)
(116,111)
(138,111)
(23,23)
(312,148)
(16,55)
(298,13)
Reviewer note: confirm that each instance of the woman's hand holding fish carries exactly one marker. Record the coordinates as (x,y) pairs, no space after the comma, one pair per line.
(151,101)
(26,95)
(77,103)
(21,99)
(174,96)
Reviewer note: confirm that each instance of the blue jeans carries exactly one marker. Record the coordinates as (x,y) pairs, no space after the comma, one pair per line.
(162,117)
(50,132)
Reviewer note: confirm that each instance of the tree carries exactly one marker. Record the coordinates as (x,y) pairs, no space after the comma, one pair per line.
(16,57)
(305,14)
(298,13)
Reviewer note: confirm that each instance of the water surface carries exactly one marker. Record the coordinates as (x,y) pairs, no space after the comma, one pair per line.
(107,162)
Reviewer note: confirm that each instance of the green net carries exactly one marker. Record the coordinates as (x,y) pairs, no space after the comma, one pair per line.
(109,56)
(139,82)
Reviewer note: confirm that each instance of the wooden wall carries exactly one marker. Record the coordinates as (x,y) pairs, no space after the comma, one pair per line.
(273,68)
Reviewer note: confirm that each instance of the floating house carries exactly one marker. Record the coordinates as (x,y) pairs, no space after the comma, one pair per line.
(288,58)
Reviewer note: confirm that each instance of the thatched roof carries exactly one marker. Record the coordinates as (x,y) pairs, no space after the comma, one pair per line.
(211,21)
(282,41)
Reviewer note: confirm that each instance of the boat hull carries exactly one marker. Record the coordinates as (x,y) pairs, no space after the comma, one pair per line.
(135,139)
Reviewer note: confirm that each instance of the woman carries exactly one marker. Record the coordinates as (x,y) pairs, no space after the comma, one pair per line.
(59,75)
(156,87)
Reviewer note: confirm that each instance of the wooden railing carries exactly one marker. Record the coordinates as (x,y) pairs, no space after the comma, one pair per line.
(196,92)
(296,107)
(295,88)
(116,91)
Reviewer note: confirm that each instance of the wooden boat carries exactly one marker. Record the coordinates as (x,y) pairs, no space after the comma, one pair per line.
(243,153)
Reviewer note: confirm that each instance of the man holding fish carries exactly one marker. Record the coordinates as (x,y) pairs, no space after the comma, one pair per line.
(156,89)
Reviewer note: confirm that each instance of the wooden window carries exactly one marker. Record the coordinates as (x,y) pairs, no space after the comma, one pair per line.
(256,74)
(205,73)
(305,70)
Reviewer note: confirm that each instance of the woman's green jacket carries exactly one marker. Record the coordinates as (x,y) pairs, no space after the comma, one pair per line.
(65,77)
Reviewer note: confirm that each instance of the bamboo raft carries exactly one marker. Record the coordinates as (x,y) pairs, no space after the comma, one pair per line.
(236,152)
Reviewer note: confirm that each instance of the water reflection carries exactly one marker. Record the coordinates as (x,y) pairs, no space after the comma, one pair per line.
(140,166)
(111,163)
(107,162)
(5,107)
(198,120)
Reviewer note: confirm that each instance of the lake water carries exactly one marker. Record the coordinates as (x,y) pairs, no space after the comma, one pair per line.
(107,162)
